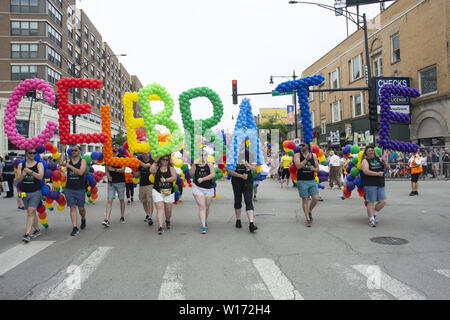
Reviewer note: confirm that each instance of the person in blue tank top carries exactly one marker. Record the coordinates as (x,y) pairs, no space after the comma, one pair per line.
(30,173)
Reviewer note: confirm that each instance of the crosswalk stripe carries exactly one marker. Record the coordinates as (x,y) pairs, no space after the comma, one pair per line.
(172,284)
(66,289)
(444,272)
(278,284)
(377,279)
(20,253)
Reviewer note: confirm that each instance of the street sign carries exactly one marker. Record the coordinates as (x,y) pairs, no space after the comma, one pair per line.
(398,104)
(276,93)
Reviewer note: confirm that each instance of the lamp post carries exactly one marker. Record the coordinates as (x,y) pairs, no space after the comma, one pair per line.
(339,10)
(77,75)
(294,98)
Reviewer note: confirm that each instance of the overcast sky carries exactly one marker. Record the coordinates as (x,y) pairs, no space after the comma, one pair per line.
(185,44)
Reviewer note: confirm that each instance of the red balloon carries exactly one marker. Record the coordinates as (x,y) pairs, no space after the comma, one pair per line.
(56,175)
(48,146)
(315,149)
(291,145)
(292,169)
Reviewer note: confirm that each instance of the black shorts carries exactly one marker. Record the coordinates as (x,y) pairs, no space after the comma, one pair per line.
(415,177)
(285,174)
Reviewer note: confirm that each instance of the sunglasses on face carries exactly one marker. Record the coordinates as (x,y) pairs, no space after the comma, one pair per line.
(31,153)
(303,145)
(75,150)
(164,159)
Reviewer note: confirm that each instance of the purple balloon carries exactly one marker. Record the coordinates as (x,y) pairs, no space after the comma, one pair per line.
(54,195)
(40,149)
(48,174)
(122,150)
(52,166)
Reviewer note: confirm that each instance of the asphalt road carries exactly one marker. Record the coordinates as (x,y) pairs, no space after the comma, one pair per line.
(335,259)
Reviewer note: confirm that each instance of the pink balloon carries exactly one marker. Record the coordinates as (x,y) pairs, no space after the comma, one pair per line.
(11,112)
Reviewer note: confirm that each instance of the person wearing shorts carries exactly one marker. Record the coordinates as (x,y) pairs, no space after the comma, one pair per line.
(30,173)
(203,190)
(163,192)
(307,164)
(415,165)
(75,188)
(286,162)
(374,182)
(116,185)
(145,186)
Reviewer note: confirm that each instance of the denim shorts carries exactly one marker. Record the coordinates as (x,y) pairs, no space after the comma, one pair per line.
(75,198)
(118,187)
(307,188)
(374,193)
(32,200)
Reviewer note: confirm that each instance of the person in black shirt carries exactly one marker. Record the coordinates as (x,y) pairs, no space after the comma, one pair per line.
(203,190)
(163,192)
(145,186)
(116,184)
(374,183)
(75,188)
(7,173)
(242,182)
(446,161)
(30,173)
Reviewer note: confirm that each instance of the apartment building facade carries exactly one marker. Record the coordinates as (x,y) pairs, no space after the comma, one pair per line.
(50,39)
(409,42)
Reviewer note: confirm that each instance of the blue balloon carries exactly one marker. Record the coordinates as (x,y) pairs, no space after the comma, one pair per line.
(45,190)
(94,155)
(37,157)
(350,178)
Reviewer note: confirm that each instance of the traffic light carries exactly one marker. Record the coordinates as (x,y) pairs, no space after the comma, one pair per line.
(235,92)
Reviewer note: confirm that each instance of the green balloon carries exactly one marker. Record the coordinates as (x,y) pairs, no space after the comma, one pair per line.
(175,188)
(354,172)
(254,174)
(378,151)
(355,160)
(355,149)
(185,167)
(87,158)
(291,153)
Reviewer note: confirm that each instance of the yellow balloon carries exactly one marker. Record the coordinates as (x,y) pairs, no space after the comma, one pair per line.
(178,163)
(210,159)
(56,155)
(44,221)
(23,195)
(360,154)
(48,205)
(57,184)
(317,179)
(135,180)
(258,169)
(152,178)
(359,166)
(322,158)
(60,207)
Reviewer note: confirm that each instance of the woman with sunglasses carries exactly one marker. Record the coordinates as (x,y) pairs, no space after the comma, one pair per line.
(373,181)
(203,190)
(163,192)
(75,188)
(30,173)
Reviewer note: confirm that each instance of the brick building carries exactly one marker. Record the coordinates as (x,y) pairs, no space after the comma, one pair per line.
(50,39)
(407,40)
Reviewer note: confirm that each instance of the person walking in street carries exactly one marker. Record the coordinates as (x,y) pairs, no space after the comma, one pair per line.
(424,164)
(116,184)
(307,164)
(203,190)
(335,167)
(163,192)
(285,163)
(446,163)
(374,182)
(146,187)
(435,163)
(129,186)
(75,188)
(7,173)
(415,165)
(242,183)
(30,173)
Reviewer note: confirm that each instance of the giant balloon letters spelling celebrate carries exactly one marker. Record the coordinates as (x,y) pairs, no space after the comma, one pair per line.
(302,86)
(387,116)
(245,129)
(202,127)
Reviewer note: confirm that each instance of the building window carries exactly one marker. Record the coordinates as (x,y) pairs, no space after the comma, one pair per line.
(98,74)
(25,6)
(86,32)
(336,115)
(54,35)
(92,40)
(86,47)
(78,39)
(23,72)
(77,57)
(53,56)
(356,68)
(85,62)
(98,103)
(334,79)
(24,28)
(92,55)
(358,105)
(24,51)
(92,100)
(323,126)
(311,96)
(70,30)
(70,68)
(52,76)
(54,14)
(395,45)
(313,118)
(378,66)
(428,80)
(59,2)
(92,70)
(85,96)
(69,49)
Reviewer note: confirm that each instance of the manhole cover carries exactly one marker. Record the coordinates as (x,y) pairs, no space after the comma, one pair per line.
(390,241)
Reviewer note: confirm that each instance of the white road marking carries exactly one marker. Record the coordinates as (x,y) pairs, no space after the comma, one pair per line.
(377,279)
(66,289)
(20,253)
(444,272)
(247,277)
(278,284)
(357,280)
(172,285)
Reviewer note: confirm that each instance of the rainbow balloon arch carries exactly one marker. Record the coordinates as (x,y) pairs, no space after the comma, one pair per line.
(142,135)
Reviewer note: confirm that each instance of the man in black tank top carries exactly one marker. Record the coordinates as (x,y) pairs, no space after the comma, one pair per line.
(116,184)
(307,164)
(75,188)
(145,186)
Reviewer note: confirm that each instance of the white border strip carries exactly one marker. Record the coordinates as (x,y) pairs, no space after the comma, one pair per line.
(172,285)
